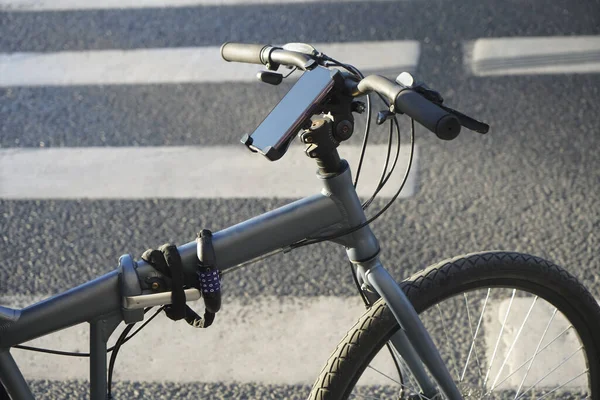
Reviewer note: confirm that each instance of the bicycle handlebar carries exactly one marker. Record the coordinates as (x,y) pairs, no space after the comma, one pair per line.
(444,124)
(265,54)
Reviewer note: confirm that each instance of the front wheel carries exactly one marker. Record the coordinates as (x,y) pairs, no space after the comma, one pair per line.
(508,326)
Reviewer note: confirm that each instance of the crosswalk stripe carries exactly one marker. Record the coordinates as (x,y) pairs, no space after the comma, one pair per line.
(286,345)
(61,5)
(177,65)
(192,172)
(497,56)
(538,55)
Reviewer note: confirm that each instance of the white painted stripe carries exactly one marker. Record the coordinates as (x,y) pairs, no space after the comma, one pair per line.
(55,5)
(179,65)
(271,340)
(534,55)
(193,172)
(289,344)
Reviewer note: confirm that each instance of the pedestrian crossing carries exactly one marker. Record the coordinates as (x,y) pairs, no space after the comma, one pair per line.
(89,118)
(179,65)
(502,56)
(108,172)
(57,5)
(253,345)
(540,55)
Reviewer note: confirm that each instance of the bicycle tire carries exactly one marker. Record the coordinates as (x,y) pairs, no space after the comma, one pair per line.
(3,393)
(456,276)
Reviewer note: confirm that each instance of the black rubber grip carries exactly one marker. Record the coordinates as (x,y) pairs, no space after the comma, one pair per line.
(445,125)
(242,52)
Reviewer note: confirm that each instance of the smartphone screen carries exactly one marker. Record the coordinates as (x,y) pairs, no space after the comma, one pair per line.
(273,135)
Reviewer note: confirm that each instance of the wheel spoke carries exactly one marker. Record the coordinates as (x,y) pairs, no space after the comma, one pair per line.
(385,375)
(566,383)
(537,349)
(475,336)
(512,346)
(552,370)
(530,358)
(361,396)
(447,340)
(416,388)
(487,375)
(395,381)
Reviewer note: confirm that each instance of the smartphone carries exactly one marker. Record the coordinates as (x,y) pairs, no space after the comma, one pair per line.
(274,134)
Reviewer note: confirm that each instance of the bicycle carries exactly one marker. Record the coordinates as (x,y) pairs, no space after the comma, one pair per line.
(404,322)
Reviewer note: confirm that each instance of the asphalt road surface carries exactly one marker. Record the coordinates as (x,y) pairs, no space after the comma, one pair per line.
(531,185)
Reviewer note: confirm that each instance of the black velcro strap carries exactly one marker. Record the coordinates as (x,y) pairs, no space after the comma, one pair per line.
(167,261)
(176,310)
(157,260)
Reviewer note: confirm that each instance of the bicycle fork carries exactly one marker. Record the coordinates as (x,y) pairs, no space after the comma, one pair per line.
(412,341)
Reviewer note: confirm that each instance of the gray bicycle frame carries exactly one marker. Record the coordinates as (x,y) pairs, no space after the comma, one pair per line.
(118,296)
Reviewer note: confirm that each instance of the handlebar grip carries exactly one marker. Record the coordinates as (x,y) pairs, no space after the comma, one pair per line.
(445,125)
(242,52)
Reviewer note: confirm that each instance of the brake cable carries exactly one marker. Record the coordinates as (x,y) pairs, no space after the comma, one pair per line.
(306,242)
(397,153)
(384,178)
(359,75)
(123,338)
(74,354)
(353,70)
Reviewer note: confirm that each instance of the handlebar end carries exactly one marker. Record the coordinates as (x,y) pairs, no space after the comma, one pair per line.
(221,50)
(448,127)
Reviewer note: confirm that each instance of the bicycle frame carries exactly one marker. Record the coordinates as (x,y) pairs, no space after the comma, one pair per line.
(336,207)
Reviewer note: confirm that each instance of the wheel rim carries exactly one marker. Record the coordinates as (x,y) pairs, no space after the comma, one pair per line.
(498,343)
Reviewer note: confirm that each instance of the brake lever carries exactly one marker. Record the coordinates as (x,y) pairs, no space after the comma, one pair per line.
(429,94)
(467,121)
(407,81)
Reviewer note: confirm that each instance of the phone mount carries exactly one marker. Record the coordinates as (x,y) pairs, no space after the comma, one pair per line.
(322,139)
(322,145)
(327,131)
